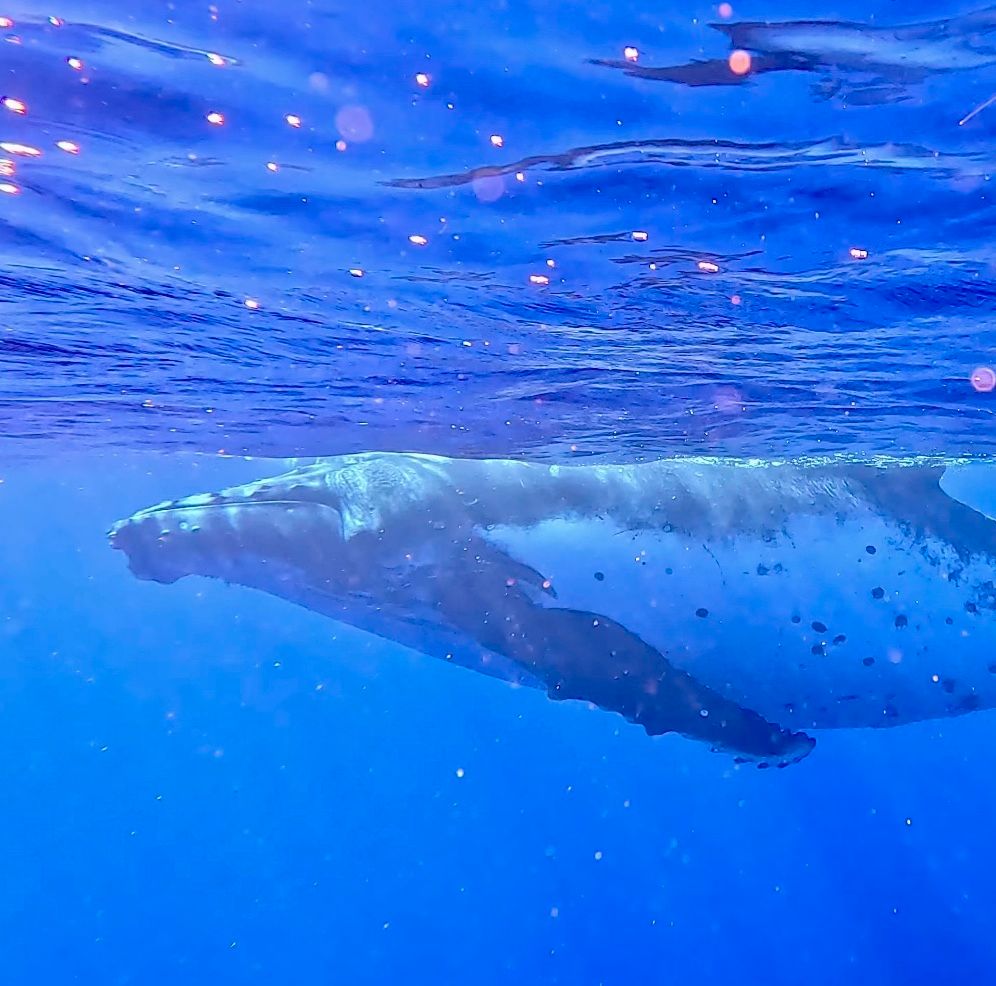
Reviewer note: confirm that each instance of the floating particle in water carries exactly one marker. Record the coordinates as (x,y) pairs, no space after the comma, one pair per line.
(497,140)
(739,62)
(422,79)
(15,105)
(983,379)
(708,267)
(598,854)
(354,123)
(539,279)
(417,239)
(216,118)
(640,235)
(630,53)
(69,146)
(75,63)
(293,120)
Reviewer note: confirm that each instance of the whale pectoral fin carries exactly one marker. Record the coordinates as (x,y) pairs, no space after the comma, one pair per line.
(585,656)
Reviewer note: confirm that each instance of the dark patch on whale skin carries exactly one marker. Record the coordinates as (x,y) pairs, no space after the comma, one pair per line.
(901,621)
(878,592)
(868,661)
(986,595)
(969,703)
(819,627)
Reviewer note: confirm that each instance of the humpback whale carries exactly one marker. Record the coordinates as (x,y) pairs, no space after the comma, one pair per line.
(743,603)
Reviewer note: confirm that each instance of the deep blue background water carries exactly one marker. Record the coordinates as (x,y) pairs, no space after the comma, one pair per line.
(205,785)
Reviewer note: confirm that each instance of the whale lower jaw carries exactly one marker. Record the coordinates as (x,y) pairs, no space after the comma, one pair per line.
(739,604)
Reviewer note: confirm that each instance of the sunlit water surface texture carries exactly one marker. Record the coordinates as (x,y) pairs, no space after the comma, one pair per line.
(239,233)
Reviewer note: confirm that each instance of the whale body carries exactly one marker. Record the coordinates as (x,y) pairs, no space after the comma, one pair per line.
(743,603)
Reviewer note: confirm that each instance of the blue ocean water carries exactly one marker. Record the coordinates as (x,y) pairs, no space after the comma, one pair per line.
(528,229)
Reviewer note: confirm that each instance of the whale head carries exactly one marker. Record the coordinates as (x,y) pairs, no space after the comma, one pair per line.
(280,528)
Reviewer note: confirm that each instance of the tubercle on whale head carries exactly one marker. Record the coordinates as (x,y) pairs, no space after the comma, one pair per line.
(222,534)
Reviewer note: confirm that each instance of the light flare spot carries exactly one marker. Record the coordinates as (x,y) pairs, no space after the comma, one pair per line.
(293,120)
(356,271)
(488,188)
(22,150)
(422,79)
(6,22)
(984,379)
(69,146)
(272,166)
(460,772)
(708,267)
(8,189)
(641,236)
(251,303)
(739,62)
(417,239)
(725,11)
(17,106)
(497,140)
(858,254)
(75,63)
(354,123)
(216,119)
(630,53)
(538,279)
